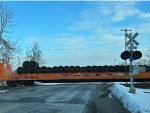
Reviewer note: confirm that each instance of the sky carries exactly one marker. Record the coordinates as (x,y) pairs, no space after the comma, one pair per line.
(79,33)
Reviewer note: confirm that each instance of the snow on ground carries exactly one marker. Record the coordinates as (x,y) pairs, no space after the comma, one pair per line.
(3,91)
(39,83)
(44,84)
(135,103)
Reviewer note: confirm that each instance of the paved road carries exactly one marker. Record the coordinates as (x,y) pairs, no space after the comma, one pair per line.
(64,98)
(102,101)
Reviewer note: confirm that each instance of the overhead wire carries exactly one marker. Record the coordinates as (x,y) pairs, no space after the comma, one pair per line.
(87,47)
(141,19)
(136,28)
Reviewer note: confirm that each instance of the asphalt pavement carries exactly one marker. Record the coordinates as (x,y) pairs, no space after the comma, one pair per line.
(59,98)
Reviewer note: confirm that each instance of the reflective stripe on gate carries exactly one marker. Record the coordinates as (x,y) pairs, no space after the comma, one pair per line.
(120,74)
(105,74)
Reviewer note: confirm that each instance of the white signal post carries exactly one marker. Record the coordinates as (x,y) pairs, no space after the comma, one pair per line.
(132,43)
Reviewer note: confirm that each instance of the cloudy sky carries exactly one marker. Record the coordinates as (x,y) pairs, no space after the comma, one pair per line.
(80,33)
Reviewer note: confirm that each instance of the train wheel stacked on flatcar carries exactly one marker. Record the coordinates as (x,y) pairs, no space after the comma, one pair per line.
(94,69)
(119,68)
(32,66)
(71,69)
(66,69)
(43,69)
(123,68)
(148,70)
(29,67)
(32,70)
(100,68)
(88,68)
(145,66)
(55,69)
(37,70)
(111,68)
(20,70)
(127,68)
(83,69)
(25,64)
(49,70)
(60,69)
(77,68)
(105,68)
(26,70)
(116,68)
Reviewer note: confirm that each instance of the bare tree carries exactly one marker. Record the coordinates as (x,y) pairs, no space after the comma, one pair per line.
(140,62)
(6,16)
(10,54)
(145,60)
(34,53)
(121,63)
(147,54)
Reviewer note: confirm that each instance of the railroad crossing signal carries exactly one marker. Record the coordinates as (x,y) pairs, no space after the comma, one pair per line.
(136,55)
(133,55)
(125,55)
(132,41)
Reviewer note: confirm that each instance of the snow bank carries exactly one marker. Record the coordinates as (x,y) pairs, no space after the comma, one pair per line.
(135,103)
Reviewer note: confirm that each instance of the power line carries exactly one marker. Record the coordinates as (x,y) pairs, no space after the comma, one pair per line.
(140,20)
(95,46)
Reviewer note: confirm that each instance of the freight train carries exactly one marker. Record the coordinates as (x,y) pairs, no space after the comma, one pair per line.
(31,72)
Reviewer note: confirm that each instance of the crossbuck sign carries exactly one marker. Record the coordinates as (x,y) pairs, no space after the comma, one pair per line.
(132,41)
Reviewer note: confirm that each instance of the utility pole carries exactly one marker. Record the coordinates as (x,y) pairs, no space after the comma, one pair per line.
(125,30)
